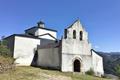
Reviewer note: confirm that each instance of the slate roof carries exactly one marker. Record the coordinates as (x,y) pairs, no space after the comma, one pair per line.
(30,36)
(23,35)
(41,28)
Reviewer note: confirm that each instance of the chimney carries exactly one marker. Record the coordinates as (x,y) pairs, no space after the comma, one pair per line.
(41,24)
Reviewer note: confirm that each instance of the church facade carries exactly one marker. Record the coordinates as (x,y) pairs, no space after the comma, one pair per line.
(39,46)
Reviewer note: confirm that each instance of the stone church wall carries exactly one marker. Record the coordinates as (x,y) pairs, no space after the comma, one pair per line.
(74,46)
(87,62)
(49,58)
(68,60)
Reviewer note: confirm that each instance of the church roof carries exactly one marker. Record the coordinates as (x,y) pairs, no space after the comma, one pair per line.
(41,22)
(78,20)
(40,28)
(73,23)
(23,35)
(29,36)
(95,52)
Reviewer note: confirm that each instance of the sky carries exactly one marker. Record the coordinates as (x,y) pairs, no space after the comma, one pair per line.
(101,18)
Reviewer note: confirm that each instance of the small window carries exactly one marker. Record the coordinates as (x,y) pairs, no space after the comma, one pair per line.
(74,34)
(81,35)
(65,33)
(31,34)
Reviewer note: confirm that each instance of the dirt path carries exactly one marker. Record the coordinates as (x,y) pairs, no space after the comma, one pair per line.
(55,77)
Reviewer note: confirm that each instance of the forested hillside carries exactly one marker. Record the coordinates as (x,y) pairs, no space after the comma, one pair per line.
(111,62)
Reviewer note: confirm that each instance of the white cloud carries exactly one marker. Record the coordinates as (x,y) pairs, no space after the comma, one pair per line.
(96,47)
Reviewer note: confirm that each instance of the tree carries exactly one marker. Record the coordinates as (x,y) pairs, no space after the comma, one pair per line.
(3,41)
(4,51)
(117,69)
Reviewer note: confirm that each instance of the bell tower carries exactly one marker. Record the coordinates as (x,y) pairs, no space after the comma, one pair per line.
(41,24)
(75,45)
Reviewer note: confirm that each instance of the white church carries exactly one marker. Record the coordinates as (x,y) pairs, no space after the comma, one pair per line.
(39,46)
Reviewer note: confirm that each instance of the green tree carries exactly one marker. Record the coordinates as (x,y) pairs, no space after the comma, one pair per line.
(6,60)
(4,51)
(117,69)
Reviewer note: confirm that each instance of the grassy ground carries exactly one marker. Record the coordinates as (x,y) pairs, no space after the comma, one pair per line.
(31,73)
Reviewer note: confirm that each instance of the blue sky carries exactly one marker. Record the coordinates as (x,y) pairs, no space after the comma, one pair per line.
(101,18)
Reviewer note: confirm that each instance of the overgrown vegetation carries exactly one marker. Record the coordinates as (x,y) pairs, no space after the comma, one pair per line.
(90,72)
(4,51)
(117,69)
(6,60)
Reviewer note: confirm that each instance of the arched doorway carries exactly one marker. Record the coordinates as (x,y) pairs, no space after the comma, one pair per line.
(77,65)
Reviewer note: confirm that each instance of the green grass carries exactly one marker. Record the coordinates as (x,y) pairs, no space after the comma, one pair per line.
(31,73)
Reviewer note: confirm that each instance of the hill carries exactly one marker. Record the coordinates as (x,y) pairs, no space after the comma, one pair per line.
(111,60)
(32,73)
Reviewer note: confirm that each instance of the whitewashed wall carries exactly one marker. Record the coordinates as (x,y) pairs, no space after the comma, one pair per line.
(68,62)
(44,31)
(87,62)
(97,64)
(75,46)
(47,37)
(49,57)
(78,27)
(24,50)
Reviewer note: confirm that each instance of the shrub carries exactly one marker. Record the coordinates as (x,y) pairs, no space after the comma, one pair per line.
(117,69)
(6,60)
(4,51)
(90,72)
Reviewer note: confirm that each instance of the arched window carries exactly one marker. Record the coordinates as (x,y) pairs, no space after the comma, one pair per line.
(65,33)
(74,34)
(81,35)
